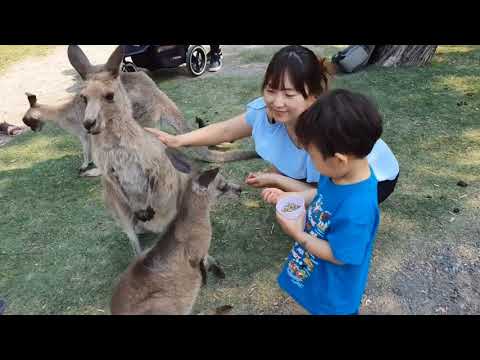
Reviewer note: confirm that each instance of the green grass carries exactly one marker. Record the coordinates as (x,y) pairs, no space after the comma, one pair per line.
(60,251)
(10,54)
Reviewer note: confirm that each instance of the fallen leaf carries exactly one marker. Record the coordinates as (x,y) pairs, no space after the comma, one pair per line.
(251,204)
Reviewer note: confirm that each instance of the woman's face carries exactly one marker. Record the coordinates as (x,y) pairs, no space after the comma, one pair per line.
(286,105)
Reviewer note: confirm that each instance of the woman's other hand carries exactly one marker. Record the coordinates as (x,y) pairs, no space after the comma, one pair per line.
(260,179)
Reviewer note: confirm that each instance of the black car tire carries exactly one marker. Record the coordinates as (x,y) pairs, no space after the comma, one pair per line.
(196,60)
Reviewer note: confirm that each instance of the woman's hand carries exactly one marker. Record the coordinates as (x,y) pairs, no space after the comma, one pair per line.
(260,179)
(271,195)
(166,138)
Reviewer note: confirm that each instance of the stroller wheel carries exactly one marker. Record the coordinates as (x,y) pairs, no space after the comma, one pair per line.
(129,67)
(196,60)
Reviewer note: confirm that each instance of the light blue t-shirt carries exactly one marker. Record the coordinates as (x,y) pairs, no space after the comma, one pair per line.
(274,145)
(347,216)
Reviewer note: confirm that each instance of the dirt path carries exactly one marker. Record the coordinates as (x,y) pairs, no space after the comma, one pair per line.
(50,78)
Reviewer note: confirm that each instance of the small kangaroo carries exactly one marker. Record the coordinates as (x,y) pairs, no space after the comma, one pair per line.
(167,278)
(67,115)
(141,186)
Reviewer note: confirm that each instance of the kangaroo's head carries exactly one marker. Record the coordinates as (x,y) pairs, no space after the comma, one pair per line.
(33,116)
(206,184)
(104,96)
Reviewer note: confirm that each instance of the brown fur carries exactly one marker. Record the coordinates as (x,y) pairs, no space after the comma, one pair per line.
(148,99)
(68,115)
(150,105)
(139,180)
(168,278)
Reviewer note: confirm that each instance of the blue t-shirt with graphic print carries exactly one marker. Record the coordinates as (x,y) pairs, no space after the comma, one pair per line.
(273,144)
(347,216)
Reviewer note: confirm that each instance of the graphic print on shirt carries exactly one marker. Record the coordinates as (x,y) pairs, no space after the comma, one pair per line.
(302,263)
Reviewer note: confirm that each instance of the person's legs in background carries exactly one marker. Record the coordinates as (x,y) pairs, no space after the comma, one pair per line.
(385,189)
(215,57)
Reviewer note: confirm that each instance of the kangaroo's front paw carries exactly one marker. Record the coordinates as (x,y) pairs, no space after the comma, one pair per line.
(145,215)
(94,172)
(86,167)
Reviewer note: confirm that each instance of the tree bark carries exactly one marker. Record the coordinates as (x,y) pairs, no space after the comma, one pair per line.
(408,55)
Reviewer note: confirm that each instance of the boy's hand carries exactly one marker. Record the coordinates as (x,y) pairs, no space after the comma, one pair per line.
(166,138)
(293,228)
(271,195)
(259,179)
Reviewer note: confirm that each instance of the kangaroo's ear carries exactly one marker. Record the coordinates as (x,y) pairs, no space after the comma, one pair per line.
(178,160)
(79,61)
(32,99)
(114,61)
(207,177)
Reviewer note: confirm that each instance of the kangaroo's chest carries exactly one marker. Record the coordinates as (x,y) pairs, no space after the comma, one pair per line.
(114,154)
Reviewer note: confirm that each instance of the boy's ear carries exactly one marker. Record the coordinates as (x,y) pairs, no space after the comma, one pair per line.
(342,158)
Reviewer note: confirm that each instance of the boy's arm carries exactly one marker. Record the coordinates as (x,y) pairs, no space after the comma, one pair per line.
(291,185)
(308,195)
(319,248)
(273,179)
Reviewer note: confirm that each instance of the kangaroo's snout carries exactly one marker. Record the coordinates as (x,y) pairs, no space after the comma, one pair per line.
(89,124)
(34,124)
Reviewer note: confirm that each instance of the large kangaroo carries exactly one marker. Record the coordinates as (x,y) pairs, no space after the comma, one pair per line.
(168,278)
(150,105)
(142,187)
(149,102)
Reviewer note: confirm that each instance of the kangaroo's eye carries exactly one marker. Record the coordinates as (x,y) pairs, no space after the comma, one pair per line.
(84,99)
(109,97)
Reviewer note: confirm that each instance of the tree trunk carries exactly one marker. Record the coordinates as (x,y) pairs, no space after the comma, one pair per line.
(409,55)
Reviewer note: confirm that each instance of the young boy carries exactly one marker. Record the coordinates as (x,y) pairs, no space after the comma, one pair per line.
(327,268)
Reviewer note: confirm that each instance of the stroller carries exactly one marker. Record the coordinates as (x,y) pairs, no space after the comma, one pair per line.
(154,57)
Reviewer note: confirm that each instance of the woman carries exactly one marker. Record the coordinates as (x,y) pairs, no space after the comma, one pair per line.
(295,77)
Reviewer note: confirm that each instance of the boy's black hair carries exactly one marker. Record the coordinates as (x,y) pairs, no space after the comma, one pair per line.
(303,67)
(340,121)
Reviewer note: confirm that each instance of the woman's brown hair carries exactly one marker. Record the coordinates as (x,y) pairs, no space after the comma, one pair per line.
(304,68)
